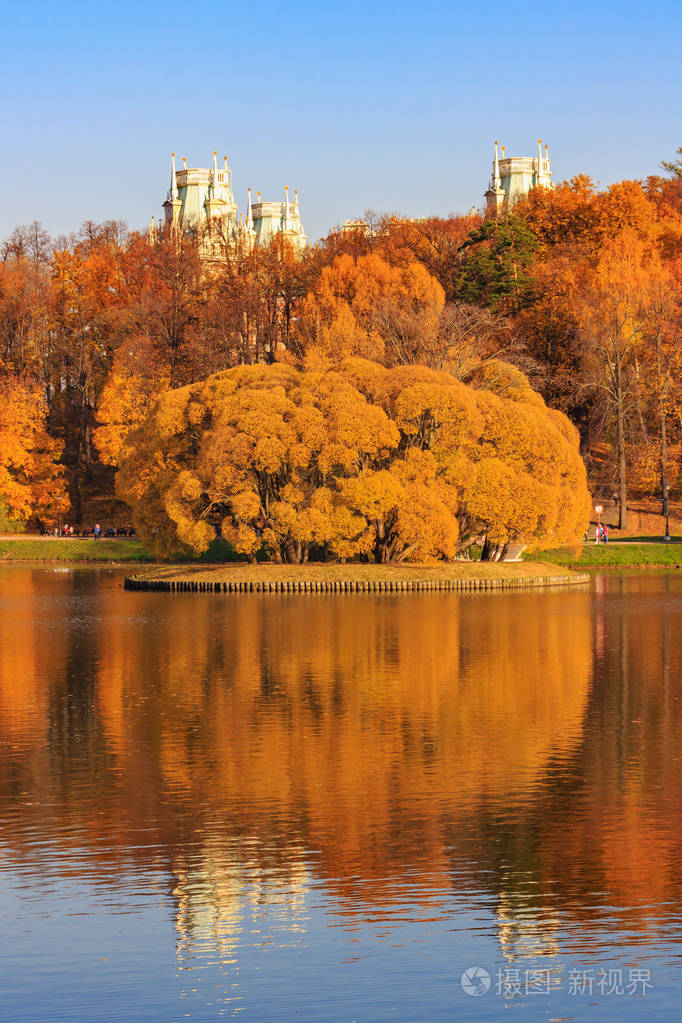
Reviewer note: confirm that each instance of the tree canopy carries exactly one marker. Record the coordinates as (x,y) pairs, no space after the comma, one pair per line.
(31,480)
(356,460)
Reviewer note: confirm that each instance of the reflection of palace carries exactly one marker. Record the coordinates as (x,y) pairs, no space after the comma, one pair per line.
(220,898)
(222,740)
(524,931)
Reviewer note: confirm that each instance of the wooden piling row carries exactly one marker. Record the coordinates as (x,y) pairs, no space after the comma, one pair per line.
(346,585)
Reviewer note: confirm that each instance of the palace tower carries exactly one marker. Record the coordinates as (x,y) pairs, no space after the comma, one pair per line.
(515,176)
(200,199)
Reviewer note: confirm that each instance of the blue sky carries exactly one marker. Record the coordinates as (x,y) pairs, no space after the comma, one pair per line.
(391,106)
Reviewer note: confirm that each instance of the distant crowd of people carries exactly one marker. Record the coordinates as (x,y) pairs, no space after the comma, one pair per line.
(96,532)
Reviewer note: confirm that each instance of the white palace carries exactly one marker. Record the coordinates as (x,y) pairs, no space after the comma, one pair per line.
(514,176)
(200,199)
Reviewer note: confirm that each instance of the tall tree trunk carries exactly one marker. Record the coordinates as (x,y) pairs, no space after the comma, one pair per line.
(664,463)
(622,469)
(663,426)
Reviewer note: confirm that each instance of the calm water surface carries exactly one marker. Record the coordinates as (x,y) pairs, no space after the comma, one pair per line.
(330,808)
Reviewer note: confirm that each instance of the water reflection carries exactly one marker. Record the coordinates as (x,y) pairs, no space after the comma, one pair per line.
(412,761)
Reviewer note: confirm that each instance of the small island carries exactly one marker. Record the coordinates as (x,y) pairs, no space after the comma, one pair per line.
(457,576)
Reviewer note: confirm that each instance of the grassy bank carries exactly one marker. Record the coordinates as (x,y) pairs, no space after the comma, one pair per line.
(37,548)
(358,573)
(615,555)
(78,550)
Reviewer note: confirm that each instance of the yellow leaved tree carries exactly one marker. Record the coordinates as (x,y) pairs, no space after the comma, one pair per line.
(353,460)
(371,308)
(137,377)
(31,479)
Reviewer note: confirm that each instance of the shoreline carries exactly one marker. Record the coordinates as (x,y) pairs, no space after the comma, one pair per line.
(620,554)
(22,549)
(352,578)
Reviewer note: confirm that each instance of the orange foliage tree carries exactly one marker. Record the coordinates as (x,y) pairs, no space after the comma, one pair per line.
(370,308)
(31,479)
(353,460)
(614,301)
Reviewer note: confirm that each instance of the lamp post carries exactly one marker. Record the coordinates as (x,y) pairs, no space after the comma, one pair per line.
(667,512)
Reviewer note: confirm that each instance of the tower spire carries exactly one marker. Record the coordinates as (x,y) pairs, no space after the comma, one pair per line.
(496,170)
(286,207)
(249,217)
(174,180)
(540,175)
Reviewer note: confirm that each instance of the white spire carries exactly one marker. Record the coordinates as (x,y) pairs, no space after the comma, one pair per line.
(225,162)
(215,168)
(540,175)
(174,181)
(497,183)
(249,218)
(286,207)
(546,159)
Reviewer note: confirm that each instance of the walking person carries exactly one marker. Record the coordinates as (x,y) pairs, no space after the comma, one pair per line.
(98,531)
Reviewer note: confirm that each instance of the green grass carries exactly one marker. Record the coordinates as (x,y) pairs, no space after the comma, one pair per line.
(610,555)
(77,549)
(645,539)
(73,549)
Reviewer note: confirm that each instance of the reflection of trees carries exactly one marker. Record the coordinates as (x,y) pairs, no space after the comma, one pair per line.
(322,722)
(32,656)
(226,739)
(600,842)
(343,718)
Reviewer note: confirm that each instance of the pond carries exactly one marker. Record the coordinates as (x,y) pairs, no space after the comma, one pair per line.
(366,807)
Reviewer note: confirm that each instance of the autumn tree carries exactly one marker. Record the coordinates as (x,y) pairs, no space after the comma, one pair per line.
(31,478)
(164,293)
(137,377)
(577,213)
(513,464)
(367,307)
(356,460)
(612,304)
(662,358)
(255,453)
